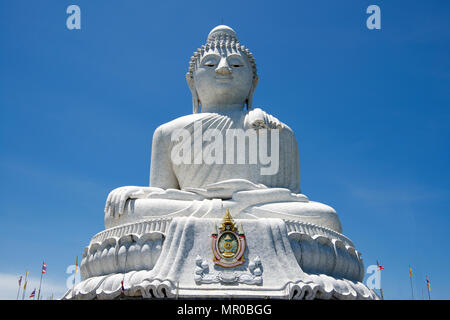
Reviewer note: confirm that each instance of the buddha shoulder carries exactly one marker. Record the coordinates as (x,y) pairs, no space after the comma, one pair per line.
(259,119)
(166,129)
(252,119)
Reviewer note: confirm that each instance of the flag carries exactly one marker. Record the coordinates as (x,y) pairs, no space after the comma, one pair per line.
(410,272)
(380,267)
(25,284)
(44,267)
(76,265)
(20,281)
(428,284)
(33,293)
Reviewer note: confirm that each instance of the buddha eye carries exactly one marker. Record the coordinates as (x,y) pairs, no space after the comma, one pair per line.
(235,62)
(210,63)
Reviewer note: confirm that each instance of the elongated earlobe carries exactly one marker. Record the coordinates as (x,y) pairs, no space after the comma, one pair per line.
(195,101)
(249,100)
(194,105)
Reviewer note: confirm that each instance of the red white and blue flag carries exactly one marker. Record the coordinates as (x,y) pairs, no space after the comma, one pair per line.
(44,267)
(33,293)
(380,267)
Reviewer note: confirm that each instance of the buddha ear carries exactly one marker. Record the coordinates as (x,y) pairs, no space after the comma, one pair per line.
(195,101)
(252,91)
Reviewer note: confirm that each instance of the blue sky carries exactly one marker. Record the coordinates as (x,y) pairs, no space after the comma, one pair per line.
(370,110)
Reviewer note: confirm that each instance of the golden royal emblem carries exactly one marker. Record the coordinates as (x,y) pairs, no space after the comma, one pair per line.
(228,243)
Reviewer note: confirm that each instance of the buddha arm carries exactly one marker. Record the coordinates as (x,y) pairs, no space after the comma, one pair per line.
(161,171)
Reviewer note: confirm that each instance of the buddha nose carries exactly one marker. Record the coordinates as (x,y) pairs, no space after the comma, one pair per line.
(223,68)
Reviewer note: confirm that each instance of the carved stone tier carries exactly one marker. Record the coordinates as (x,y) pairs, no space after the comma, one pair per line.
(245,204)
(166,258)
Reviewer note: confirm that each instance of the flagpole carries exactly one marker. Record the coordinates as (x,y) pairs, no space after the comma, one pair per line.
(410,278)
(380,267)
(25,286)
(23,292)
(122,289)
(73,285)
(74,278)
(40,282)
(18,290)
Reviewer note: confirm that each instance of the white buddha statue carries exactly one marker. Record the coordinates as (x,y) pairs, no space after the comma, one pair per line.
(223,215)
(213,173)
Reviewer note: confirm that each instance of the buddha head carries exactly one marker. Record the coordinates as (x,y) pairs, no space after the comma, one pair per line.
(222,73)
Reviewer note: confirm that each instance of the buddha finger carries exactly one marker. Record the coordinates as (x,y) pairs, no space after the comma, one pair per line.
(108,204)
(105,210)
(123,199)
(114,203)
(117,202)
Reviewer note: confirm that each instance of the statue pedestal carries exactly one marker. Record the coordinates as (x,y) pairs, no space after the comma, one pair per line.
(173,258)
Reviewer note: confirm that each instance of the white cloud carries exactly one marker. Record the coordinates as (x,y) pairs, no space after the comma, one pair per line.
(9,286)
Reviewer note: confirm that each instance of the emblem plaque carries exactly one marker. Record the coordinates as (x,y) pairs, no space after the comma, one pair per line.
(228,243)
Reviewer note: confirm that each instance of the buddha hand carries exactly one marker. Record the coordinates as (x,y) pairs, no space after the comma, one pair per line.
(115,203)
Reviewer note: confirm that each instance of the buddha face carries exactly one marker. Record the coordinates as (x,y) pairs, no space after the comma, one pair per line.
(223,78)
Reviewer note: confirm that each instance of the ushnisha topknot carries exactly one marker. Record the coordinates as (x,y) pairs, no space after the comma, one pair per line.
(221,38)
